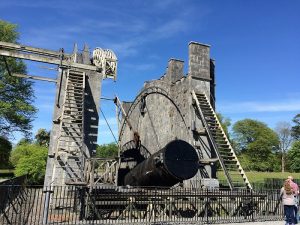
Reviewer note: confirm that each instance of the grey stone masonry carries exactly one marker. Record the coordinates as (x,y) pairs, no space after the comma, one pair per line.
(199,61)
(174,70)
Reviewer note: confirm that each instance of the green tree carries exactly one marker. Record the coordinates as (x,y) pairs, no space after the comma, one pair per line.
(259,142)
(294,157)
(296,127)
(107,150)
(24,141)
(5,150)
(225,123)
(16,94)
(42,137)
(30,160)
(245,161)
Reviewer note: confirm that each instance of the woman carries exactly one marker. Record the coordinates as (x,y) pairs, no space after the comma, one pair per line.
(288,202)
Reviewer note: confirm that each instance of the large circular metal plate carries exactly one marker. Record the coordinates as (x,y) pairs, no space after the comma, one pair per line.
(181,159)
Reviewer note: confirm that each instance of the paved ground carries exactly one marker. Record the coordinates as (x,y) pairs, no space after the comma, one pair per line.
(281,222)
(260,223)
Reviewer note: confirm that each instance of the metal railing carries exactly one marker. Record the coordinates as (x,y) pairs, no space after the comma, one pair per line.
(123,205)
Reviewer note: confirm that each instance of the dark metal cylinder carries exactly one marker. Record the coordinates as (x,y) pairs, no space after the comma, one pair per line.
(176,162)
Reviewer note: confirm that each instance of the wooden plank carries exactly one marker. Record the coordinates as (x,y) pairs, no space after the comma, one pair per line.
(34,77)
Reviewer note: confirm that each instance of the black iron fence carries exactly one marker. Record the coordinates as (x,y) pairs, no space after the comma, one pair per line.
(121,205)
(271,183)
(266,184)
(6,194)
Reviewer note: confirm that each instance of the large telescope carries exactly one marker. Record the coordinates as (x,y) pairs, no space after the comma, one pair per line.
(176,162)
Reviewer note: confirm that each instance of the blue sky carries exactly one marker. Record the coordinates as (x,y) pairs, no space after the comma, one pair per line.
(255,44)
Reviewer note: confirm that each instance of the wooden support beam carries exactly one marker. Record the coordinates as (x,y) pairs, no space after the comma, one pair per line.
(41,55)
(32,57)
(208,161)
(50,60)
(118,103)
(24,48)
(34,77)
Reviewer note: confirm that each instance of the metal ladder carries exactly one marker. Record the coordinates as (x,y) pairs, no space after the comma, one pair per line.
(70,154)
(229,162)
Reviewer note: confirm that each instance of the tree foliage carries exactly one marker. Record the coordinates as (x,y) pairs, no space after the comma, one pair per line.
(24,141)
(42,137)
(107,150)
(30,160)
(16,94)
(258,141)
(283,130)
(225,123)
(296,127)
(294,157)
(5,150)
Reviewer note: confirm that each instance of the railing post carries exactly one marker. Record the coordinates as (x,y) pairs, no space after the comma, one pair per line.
(253,205)
(206,206)
(60,86)
(46,206)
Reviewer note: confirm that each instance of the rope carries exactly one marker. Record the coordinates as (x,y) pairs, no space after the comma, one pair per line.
(108,125)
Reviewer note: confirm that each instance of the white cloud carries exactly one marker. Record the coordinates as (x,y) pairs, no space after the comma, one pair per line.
(169,29)
(124,30)
(51,4)
(252,106)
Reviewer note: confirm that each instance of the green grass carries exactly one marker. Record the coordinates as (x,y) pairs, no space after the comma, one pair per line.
(6,170)
(6,173)
(258,177)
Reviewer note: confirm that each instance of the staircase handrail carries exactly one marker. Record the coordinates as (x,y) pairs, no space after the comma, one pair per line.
(230,146)
(215,147)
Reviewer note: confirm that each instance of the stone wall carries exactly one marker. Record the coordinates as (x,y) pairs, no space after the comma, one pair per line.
(168,112)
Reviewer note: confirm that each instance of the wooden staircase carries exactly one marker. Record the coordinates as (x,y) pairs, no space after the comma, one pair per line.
(70,154)
(229,162)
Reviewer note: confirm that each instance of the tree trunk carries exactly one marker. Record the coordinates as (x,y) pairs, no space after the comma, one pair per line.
(282,162)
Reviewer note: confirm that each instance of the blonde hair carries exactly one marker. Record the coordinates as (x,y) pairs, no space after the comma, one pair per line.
(287,187)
